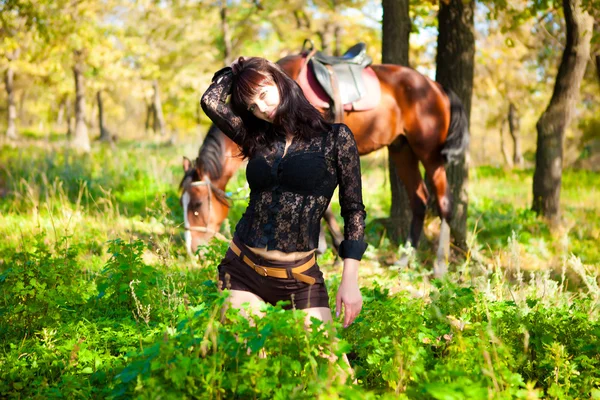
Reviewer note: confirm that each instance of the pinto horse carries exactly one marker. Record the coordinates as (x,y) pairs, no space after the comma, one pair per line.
(416,118)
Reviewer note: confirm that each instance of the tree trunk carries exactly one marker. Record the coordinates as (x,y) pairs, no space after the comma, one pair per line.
(514,125)
(104,134)
(21,111)
(555,119)
(598,66)
(507,159)
(455,65)
(149,116)
(226,34)
(595,51)
(91,118)
(159,119)
(70,118)
(395,33)
(81,140)
(337,37)
(11,130)
(325,35)
(60,117)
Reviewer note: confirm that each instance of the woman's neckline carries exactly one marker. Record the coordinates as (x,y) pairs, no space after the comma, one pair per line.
(288,143)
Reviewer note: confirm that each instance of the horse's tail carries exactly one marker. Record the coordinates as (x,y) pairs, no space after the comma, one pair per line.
(457,139)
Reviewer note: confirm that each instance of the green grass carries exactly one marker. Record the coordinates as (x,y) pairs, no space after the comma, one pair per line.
(99,299)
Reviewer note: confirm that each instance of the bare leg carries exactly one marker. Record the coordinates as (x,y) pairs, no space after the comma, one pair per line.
(324,314)
(238,297)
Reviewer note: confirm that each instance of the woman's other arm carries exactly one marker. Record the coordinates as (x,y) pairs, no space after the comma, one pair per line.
(353,212)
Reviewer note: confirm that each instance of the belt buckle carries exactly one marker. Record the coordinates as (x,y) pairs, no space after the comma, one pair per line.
(258,268)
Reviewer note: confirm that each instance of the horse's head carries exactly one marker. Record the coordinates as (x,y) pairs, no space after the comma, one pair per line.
(205,206)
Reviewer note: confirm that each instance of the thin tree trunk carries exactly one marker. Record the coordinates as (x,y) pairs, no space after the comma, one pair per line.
(159,119)
(396,28)
(11,130)
(455,66)
(149,116)
(595,51)
(598,66)
(21,112)
(325,36)
(104,134)
(70,118)
(297,18)
(507,159)
(92,116)
(61,113)
(226,34)
(336,30)
(81,139)
(514,124)
(337,36)
(555,119)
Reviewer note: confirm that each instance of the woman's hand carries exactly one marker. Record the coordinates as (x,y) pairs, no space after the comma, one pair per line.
(348,293)
(236,64)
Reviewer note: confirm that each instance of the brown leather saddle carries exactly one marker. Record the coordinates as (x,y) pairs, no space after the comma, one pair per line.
(346,82)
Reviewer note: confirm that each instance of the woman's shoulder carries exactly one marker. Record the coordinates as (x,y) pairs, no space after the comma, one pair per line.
(340,130)
(339,127)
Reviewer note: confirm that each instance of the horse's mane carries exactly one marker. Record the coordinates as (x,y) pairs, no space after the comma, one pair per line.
(210,155)
(209,161)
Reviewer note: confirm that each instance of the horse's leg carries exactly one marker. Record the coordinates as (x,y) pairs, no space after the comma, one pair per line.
(407,169)
(334,228)
(437,173)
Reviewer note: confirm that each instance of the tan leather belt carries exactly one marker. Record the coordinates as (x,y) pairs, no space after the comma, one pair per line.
(280,273)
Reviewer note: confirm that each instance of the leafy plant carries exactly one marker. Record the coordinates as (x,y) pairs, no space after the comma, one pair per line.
(41,285)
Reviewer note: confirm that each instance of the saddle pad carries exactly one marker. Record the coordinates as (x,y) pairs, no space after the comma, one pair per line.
(317,96)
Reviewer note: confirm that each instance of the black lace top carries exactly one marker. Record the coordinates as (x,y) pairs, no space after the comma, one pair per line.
(289,194)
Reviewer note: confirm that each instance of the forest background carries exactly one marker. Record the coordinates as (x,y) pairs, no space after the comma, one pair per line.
(98,298)
(133,53)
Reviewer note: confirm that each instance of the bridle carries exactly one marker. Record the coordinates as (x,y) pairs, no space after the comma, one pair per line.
(205,229)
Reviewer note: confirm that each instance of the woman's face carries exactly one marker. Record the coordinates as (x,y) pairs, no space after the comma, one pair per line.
(265,102)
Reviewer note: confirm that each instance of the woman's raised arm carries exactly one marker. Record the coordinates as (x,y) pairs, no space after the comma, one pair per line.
(214,103)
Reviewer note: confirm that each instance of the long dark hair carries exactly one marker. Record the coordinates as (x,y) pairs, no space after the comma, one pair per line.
(294,115)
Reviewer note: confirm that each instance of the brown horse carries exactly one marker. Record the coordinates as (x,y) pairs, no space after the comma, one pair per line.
(204,201)
(417,119)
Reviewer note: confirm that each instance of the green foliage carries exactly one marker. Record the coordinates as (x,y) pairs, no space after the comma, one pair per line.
(500,213)
(118,310)
(215,356)
(41,285)
(461,345)
(123,270)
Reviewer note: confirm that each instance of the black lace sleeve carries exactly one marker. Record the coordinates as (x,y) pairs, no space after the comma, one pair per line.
(353,209)
(214,104)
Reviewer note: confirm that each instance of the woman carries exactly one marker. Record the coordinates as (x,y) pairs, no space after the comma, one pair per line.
(296,160)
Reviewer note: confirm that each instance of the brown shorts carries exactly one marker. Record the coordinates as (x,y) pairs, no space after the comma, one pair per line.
(234,274)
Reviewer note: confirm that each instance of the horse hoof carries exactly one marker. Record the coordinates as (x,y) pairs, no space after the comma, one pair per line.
(403,261)
(440,268)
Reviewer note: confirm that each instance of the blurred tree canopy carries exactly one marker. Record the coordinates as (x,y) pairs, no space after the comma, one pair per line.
(136,54)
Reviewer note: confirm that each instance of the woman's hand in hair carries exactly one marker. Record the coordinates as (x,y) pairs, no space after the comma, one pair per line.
(348,293)
(236,65)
